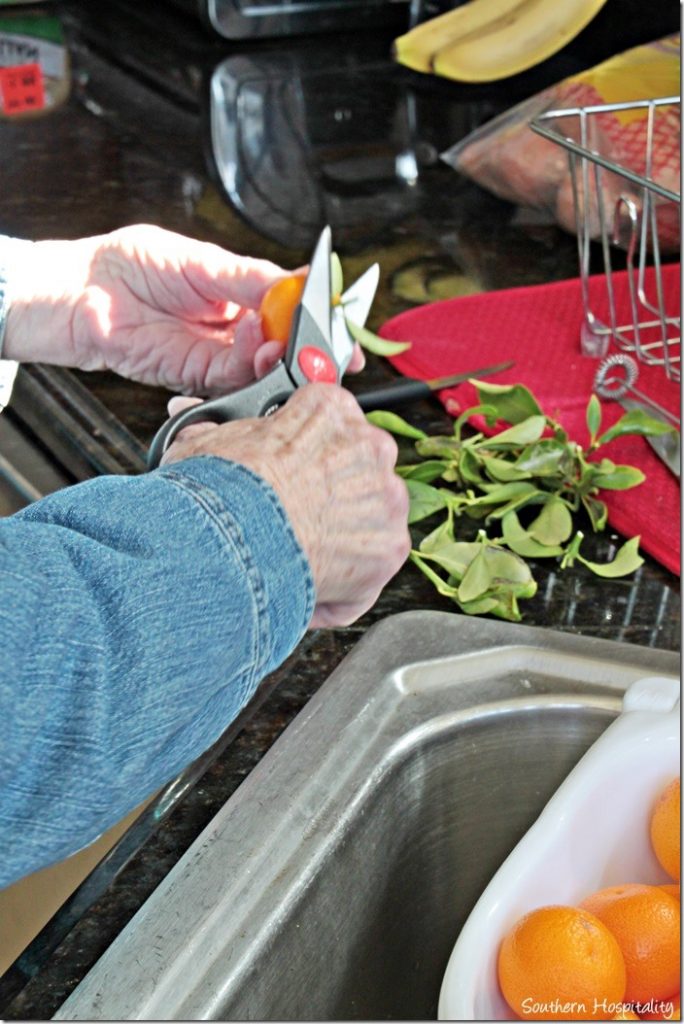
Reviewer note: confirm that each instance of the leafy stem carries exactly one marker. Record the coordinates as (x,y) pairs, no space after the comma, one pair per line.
(524,483)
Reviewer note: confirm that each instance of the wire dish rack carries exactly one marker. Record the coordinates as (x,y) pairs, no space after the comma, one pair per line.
(627,207)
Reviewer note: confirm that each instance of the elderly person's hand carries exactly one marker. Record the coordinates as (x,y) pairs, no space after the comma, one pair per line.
(334,474)
(147,303)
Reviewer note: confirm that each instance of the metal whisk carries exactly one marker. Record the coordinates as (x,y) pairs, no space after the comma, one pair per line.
(610,383)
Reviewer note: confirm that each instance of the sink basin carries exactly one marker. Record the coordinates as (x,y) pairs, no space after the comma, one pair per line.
(333,884)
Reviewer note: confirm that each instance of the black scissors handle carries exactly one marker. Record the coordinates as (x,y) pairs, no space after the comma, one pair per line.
(258,399)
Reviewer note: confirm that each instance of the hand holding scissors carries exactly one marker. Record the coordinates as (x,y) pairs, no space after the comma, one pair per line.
(319,350)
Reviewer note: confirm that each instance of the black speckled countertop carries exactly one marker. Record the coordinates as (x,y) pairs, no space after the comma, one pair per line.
(133,142)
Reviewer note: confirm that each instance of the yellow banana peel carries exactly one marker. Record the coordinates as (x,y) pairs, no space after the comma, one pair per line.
(416,48)
(486,40)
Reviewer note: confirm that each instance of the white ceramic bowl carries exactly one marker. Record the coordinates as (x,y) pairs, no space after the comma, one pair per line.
(594,832)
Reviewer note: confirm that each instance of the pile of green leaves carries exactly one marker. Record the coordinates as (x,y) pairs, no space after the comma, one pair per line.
(524,484)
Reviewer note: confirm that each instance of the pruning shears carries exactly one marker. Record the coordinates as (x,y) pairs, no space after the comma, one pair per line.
(319,349)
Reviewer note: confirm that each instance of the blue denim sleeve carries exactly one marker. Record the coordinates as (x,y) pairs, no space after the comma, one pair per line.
(137,616)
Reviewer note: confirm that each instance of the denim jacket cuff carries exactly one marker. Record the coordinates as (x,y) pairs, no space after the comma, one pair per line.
(254,522)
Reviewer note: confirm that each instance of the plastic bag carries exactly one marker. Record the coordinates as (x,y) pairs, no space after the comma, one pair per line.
(506,157)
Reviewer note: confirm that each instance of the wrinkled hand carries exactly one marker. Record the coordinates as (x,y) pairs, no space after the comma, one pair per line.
(147,303)
(334,474)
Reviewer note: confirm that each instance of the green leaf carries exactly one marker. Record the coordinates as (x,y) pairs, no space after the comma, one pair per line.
(373,343)
(506,606)
(424,500)
(605,466)
(502,470)
(593,417)
(620,479)
(469,467)
(483,606)
(527,498)
(494,572)
(395,424)
(455,557)
(512,403)
(336,276)
(425,471)
(438,538)
(519,540)
(499,499)
(585,483)
(597,512)
(545,458)
(495,494)
(476,579)
(626,561)
(524,432)
(440,446)
(501,599)
(503,604)
(443,588)
(506,569)
(636,422)
(488,411)
(553,525)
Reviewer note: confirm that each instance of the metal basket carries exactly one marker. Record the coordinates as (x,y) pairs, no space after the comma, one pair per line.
(652,334)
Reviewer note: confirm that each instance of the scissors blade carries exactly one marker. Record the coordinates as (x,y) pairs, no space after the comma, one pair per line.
(317,295)
(355,304)
(358,298)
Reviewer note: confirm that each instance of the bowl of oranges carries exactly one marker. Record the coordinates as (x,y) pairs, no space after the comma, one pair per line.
(581,921)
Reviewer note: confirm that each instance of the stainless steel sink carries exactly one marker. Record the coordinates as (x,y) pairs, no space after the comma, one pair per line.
(333,884)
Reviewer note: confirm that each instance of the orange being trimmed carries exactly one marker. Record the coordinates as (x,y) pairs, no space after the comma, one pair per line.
(278,306)
(560,963)
(665,829)
(645,922)
(665,1009)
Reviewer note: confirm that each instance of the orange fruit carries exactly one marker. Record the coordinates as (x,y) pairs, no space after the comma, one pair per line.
(665,1009)
(561,963)
(278,305)
(626,1014)
(673,890)
(645,922)
(665,828)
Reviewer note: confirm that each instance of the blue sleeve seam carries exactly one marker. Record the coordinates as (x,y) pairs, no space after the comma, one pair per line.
(231,533)
(190,484)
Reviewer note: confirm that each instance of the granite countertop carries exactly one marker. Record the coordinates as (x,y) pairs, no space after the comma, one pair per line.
(323,121)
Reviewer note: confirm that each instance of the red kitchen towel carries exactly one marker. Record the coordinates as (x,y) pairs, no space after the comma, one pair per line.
(539,328)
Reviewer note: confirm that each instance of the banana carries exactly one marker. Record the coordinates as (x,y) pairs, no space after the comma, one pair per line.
(416,48)
(535,30)
(486,40)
